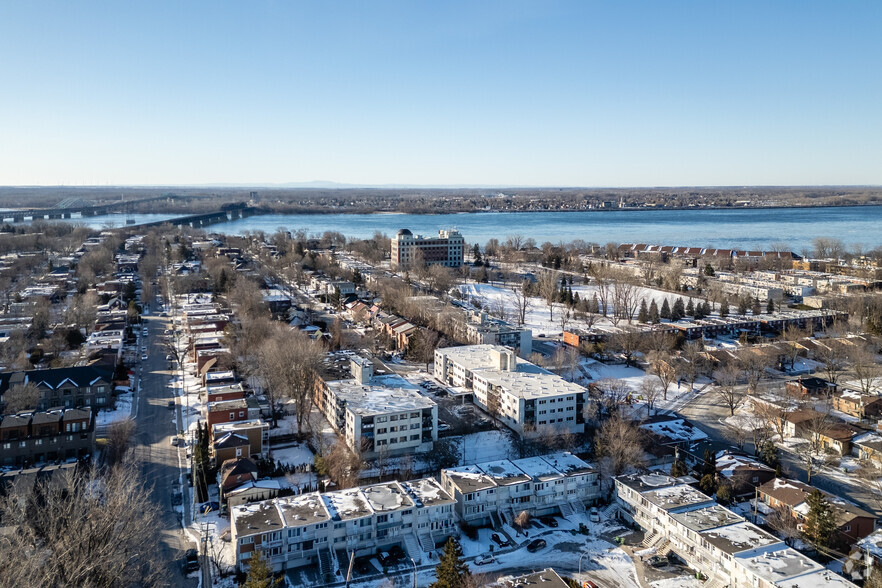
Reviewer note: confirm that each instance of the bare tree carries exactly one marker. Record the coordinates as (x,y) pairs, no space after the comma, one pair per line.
(783,521)
(548,282)
(863,362)
(727,386)
(119,437)
(650,390)
(287,367)
(521,302)
(24,396)
(626,296)
(694,362)
(92,529)
(662,366)
(791,336)
(832,353)
(753,364)
(601,273)
(619,444)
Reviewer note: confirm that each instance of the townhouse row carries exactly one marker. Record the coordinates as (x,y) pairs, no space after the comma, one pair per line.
(326,529)
(712,539)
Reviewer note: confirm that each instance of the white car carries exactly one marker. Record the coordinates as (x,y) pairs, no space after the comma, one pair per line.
(484,559)
(144,357)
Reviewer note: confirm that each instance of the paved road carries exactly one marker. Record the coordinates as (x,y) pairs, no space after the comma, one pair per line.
(707,411)
(153,432)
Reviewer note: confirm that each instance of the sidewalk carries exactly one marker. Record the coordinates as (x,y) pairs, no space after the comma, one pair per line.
(638,565)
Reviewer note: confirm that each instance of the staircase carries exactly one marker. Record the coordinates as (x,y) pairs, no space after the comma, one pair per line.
(715,582)
(664,548)
(609,511)
(649,539)
(506,517)
(335,565)
(566,511)
(412,548)
(324,561)
(426,542)
(578,506)
(494,520)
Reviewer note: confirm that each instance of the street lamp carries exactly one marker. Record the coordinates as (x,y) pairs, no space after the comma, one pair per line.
(414,572)
(584,553)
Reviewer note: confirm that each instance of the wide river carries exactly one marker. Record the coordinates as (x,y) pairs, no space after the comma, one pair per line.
(728,228)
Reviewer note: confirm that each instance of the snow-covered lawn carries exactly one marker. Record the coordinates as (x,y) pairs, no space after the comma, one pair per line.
(121,411)
(298,454)
(681,582)
(486,446)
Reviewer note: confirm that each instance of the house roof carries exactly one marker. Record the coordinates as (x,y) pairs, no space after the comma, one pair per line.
(789,492)
(235,467)
(231,440)
(78,376)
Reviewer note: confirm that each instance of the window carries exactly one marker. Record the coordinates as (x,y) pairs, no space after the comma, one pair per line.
(393,429)
(339,525)
(415,426)
(414,437)
(414,415)
(232,416)
(246,540)
(394,417)
(403,439)
(393,440)
(381,442)
(381,431)
(381,419)
(241,414)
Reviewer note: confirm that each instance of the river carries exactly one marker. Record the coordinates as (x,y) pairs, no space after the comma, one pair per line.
(751,229)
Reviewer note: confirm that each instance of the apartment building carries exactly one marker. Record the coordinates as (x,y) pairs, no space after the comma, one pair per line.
(379,414)
(482,329)
(719,543)
(445,249)
(496,492)
(326,528)
(528,399)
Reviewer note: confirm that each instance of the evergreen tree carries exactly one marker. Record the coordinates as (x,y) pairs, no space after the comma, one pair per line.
(710,463)
(259,573)
(690,308)
(678,468)
(743,305)
(576,299)
(706,308)
(756,308)
(452,571)
(665,310)
(678,311)
(594,305)
(770,306)
(476,253)
(709,270)
(820,521)
(699,311)
(653,312)
(724,308)
(708,484)
(643,313)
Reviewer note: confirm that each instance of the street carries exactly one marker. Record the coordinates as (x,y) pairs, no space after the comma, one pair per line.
(159,459)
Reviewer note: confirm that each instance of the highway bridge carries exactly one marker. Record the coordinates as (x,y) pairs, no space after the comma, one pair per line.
(32,214)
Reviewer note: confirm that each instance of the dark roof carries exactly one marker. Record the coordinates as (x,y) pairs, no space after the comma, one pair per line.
(813,383)
(231,440)
(54,377)
(234,467)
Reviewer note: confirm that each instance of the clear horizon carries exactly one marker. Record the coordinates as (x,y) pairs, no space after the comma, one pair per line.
(490,95)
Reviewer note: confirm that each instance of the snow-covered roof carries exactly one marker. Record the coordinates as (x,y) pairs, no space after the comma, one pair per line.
(778,565)
(728,463)
(384,394)
(819,579)
(538,469)
(504,472)
(469,478)
(567,463)
(710,517)
(387,497)
(739,537)
(676,429)
(426,492)
(304,509)
(676,497)
(346,504)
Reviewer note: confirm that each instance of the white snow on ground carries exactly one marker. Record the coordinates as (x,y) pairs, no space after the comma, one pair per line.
(121,411)
(297,455)
(485,446)
(634,378)
(681,582)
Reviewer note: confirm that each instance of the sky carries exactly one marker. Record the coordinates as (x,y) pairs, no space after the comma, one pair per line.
(504,93)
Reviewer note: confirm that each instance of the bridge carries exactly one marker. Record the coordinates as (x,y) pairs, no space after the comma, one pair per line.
(32,214)
(196,221)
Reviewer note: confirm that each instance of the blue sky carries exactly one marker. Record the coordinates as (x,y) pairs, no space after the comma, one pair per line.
(546,93)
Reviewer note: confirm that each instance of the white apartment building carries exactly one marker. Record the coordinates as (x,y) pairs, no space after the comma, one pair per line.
(326,528)
(445,249)
(379,414)
(528,399)
(497,491)
(482,329)
(712,539)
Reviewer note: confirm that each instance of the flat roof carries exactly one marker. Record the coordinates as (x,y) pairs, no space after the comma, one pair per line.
(777,565)
(706,518)
(529,384)
(738,537)
(384,394)
(387,497)
(426,492)
(259,517)
(304,509)
(819,579)
(469,478)
(538,469)
(673,497)
(348,504)
(568,463)
(504,472)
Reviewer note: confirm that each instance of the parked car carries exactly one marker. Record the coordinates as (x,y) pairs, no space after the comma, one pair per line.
(548,521)
(207,507)
(191,561)
(657,561)
(443,427)
(535,545)
(175,441)
(589,584)
(593,515)
(143,357)
(484,559)
(171,404)
(500,541)
(177,499)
